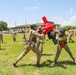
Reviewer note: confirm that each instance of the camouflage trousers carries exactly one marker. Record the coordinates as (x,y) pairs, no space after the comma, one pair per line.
(27,49)
(40,46)
(1,39)
(70,39)
(14,38)
(59,48)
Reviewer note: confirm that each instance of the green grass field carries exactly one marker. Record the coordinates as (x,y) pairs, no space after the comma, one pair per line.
(11,50)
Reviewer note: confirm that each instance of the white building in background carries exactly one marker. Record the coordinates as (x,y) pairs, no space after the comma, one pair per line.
(26,27)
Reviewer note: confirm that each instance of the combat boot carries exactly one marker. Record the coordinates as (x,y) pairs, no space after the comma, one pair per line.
(14,64)
(73,42)
(74,60)
(37,64)
(55,62)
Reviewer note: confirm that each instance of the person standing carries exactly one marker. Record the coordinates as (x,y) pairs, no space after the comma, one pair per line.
(1,36)
(23,39)
(14,34)
(40,41)
(31,45)
(62,39)
(70,34)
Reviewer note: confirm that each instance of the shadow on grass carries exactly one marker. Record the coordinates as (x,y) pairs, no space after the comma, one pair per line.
(44,64)
(2,49)
(15,41)
(4,43)
(26,65)
(67,62)
(47,54)
(62,63)
(51,64)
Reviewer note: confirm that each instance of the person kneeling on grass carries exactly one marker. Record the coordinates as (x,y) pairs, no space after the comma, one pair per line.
(62,38)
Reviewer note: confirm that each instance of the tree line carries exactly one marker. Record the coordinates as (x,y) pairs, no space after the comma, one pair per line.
(3,25)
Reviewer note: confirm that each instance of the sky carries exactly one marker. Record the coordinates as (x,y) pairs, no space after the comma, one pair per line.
(20,12)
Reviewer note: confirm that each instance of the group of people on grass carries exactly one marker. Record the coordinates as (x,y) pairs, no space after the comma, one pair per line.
(36,39)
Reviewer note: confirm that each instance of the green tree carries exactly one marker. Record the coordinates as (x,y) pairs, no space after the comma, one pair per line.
(3,25)
(68,27)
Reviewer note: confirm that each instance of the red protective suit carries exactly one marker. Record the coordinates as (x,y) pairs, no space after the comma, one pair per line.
(48,26)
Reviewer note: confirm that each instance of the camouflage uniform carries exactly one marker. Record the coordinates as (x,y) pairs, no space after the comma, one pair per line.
(71,32)
(40,41)
(14,36)
(23,39)
(31,45)
(62,44)
(1,36)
